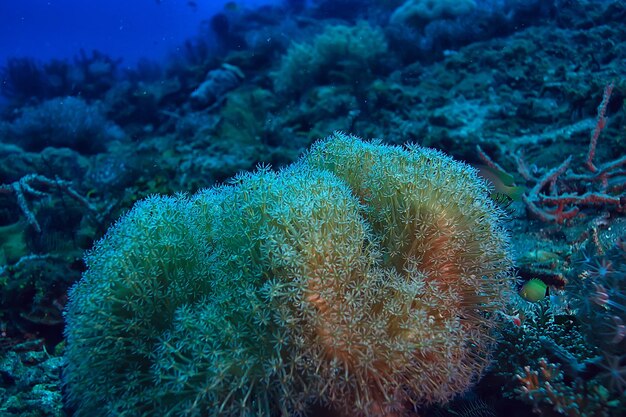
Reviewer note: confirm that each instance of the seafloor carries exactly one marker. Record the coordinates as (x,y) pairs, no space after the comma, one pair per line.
(537,95)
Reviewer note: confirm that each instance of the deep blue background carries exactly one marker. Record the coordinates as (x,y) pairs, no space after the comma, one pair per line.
(128,29)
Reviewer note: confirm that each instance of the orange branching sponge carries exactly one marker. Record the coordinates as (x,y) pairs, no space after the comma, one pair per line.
(363,277)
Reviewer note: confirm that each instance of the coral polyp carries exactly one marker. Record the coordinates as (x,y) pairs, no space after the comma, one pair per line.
(600,268)
(614,372)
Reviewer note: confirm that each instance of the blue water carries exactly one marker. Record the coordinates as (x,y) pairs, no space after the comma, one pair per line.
(120,28)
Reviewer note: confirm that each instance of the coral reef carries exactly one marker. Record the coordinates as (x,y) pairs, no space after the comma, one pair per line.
(30,383)
(364,277)
(522,78)
(217,83)
(422,11)
(62,122)
(26,81)
(340,53)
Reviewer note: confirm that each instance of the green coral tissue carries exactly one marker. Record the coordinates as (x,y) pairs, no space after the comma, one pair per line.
(363,278)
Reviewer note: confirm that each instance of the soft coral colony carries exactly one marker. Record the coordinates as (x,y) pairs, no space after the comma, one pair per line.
(363,277)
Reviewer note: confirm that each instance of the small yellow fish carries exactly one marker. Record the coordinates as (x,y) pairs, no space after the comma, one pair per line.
(533,290)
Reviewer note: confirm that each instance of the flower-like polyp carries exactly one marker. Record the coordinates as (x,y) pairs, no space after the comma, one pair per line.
(363,277)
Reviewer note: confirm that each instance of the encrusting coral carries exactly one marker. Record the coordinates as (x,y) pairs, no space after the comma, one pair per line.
(364,277)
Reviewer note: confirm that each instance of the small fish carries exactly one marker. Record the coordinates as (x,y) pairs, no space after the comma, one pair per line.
(541,256)
(533,290)
(559,304)
(503,183)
